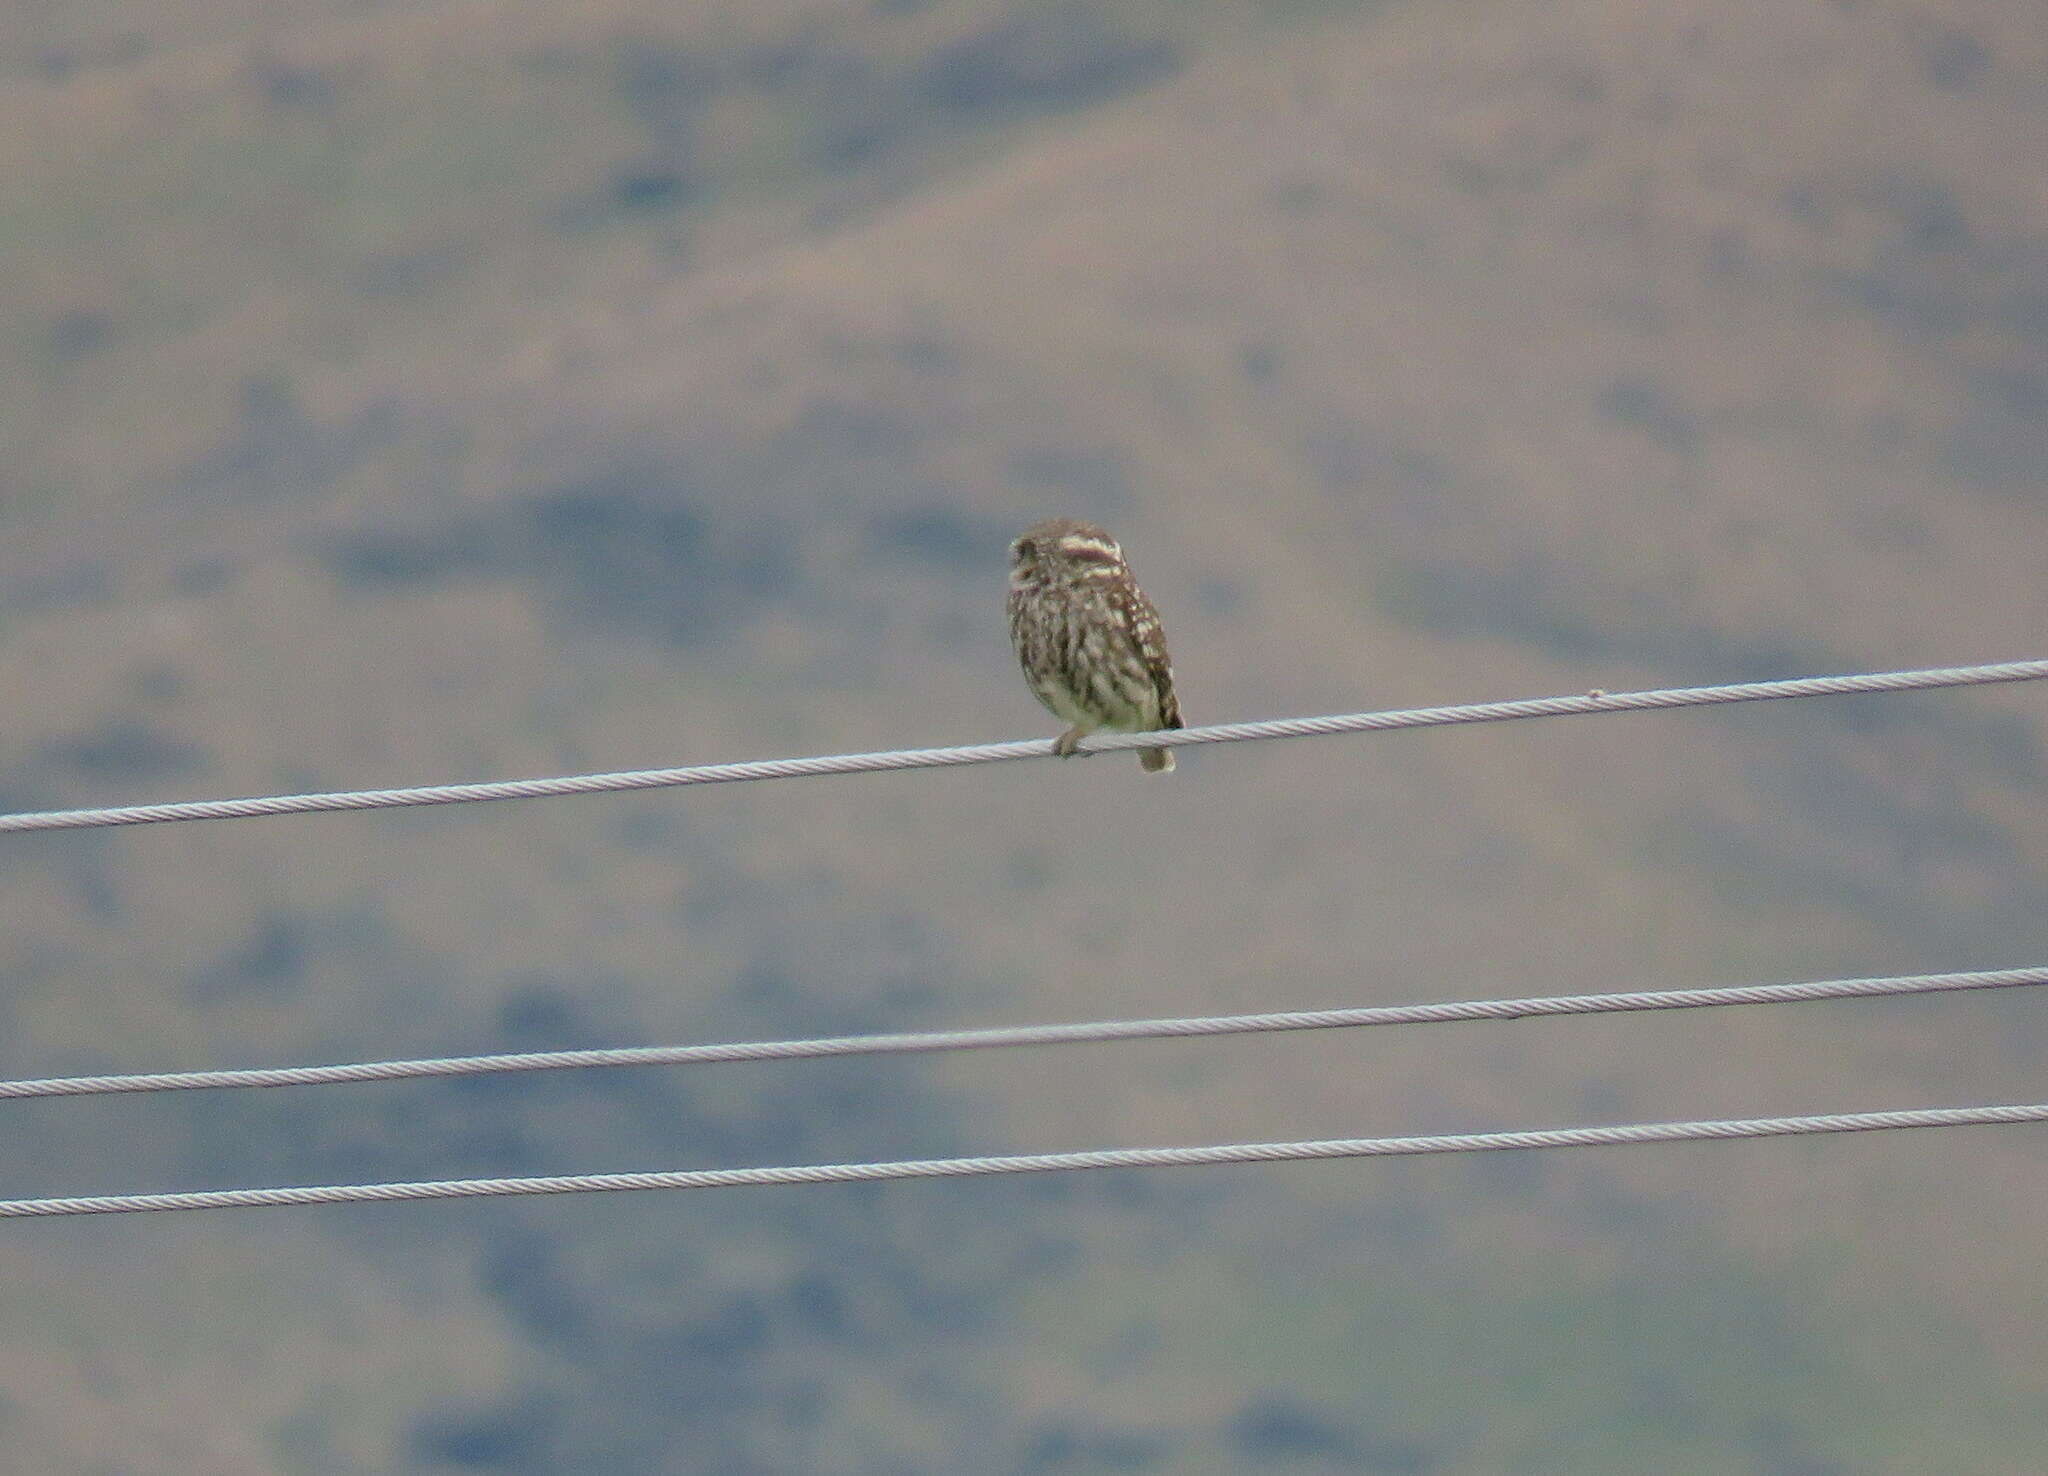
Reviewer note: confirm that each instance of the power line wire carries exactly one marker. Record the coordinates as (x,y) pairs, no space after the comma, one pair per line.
(989,753)
(1033,1163)
(906,1043)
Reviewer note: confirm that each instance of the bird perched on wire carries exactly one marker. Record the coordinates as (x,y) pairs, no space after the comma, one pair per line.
(1089,641)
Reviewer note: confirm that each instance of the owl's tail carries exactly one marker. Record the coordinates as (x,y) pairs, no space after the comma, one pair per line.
(1156,760)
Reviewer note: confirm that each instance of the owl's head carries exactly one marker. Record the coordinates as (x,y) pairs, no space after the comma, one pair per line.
(1061,546)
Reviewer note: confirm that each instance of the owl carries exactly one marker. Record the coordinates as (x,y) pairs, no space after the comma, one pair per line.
(1088,639)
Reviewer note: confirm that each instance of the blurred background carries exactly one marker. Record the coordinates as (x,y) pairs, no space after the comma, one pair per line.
(404,391)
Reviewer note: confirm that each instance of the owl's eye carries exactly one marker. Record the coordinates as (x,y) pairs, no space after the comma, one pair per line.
(1023,548)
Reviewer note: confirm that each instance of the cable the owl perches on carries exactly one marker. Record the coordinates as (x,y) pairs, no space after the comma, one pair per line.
(1583,704)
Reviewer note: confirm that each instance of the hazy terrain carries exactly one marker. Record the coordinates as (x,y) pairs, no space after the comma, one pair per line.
(406,392)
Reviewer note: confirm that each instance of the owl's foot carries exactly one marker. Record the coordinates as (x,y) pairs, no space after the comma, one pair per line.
(1069,742)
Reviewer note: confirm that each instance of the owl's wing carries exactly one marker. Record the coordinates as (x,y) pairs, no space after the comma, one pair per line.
(1148,638)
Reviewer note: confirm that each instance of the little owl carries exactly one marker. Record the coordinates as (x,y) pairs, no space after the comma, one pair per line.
(1088,639)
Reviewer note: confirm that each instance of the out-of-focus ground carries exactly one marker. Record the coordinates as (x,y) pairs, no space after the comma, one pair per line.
(405,392)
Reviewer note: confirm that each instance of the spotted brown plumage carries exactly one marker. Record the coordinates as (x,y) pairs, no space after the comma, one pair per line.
(1090,643)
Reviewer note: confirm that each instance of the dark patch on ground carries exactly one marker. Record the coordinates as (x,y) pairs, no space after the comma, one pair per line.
(1954,60)
(273,959)
(277,450)
(70,586)
(941,536)
(1647,407)
(632,549)
(1048,58)
(1063,1445)
(1273,1427)
(122,748)
(2000,441)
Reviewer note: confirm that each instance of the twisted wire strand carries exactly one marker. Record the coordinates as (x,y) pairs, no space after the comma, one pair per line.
(1033,1163)
(989,753)
(907,1043)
